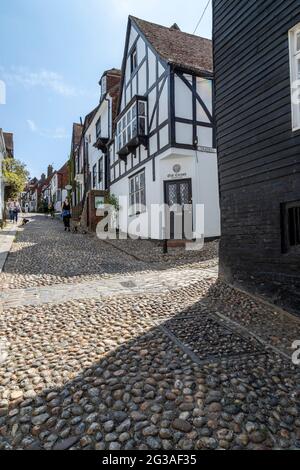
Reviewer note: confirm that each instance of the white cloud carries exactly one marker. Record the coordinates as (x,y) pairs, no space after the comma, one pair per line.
(32,125)
(57,133)
(43,79)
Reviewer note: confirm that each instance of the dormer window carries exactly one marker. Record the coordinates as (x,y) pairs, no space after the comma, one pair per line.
(133,60)
(132,127)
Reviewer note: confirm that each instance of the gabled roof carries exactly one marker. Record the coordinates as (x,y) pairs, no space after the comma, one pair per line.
(177,48)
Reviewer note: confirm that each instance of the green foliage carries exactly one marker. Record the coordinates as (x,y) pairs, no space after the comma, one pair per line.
(15,175)
(113,201)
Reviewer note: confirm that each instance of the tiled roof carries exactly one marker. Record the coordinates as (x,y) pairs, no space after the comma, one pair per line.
(89,117)
(184,50)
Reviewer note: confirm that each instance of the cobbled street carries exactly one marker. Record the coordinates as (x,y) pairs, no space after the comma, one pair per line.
(114,346)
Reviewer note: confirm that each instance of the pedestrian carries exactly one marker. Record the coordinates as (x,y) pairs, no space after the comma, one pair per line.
(51,209)
(16,211)
(10,209)
(66,214)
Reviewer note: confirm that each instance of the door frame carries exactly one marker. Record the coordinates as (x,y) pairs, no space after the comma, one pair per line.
(181,180)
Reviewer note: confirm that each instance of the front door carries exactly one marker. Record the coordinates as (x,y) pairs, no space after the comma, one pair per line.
(178,192)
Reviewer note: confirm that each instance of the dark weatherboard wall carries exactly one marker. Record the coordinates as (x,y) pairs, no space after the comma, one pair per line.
(258,153)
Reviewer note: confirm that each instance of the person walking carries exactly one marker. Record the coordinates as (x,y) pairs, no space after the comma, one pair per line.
(66,214)
(10,209)
(16,211)
(51,210)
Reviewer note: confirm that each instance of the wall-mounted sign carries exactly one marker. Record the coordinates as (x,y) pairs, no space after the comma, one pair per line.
(99,202)
(176,175)
(207,149)
(177,168)
(176,172)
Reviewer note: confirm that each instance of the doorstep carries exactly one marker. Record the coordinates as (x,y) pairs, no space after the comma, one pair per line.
(7,236)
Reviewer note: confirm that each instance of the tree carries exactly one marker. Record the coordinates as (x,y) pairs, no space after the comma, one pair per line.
(15,176)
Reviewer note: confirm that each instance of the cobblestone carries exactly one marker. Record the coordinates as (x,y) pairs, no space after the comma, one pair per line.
(148,358)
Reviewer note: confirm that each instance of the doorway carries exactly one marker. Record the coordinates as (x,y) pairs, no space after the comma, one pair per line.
(178,192)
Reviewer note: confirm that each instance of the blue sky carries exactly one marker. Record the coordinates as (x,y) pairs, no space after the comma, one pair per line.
(52,54)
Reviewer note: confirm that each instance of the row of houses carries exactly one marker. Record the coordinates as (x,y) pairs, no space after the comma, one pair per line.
(39,194)
(151,138)
(6,150)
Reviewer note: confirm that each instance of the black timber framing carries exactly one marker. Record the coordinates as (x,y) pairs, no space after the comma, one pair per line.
(167,77)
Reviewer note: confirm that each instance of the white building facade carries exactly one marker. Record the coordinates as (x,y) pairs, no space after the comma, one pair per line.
(2,184)
(164,146)
(97,135)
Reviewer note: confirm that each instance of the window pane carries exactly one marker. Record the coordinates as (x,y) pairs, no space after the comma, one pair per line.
(128,133)
(129,116)
(142,126)
(134,112)
(142,108)
(124,138)
(137,182)
(132,185)
(124,122)
(142,180)
(137,197)
(143,198)
(134,128)
(298,41)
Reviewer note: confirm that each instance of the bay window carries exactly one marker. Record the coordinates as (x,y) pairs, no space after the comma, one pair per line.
(132,127)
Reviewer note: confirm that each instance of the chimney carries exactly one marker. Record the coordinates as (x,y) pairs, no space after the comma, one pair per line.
(50,171)
(109,79)
(175,27)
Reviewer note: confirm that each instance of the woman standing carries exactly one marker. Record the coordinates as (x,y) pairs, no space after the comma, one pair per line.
(66,214)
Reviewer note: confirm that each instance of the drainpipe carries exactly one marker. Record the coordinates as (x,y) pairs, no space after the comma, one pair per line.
(106,179)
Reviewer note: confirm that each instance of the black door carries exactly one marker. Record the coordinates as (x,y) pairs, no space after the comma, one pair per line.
(178,192)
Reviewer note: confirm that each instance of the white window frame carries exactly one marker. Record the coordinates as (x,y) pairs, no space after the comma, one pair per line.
(294,76)
(129,125)
(136,190)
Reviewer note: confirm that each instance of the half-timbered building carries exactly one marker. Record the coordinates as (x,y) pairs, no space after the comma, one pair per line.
(164,145)
(100,130)
(257,72)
